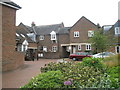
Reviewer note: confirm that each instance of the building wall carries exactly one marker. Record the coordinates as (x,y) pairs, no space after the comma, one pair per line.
(0,39)
(83,26)
(32,45)
(61,39)
(10,58)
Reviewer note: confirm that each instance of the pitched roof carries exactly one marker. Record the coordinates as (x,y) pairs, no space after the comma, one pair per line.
(117,24)
(10,4)
(86,19)
(47,29)
(107,27)
(24,32)
(27,28)
(64,30)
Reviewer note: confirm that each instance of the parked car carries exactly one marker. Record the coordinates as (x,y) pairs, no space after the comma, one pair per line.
(103,55)
(79,55)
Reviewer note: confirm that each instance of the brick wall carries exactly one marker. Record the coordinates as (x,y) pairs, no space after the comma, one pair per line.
(83,26)
(10,58)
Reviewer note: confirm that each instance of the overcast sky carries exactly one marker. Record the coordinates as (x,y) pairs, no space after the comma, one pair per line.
(46,12)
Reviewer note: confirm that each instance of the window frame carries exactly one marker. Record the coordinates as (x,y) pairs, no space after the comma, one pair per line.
(117,30)
(45,48)
(54,48)
(53,36)
(88,46)
(79,47)
(76,33)
(41,37)
(117,51)
(90,33)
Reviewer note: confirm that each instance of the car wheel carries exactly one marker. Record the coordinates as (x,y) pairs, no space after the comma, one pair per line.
(74,59)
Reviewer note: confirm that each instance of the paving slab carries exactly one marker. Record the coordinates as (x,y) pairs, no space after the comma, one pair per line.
(22,75)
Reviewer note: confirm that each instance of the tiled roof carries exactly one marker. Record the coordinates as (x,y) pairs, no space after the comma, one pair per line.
(47,29)
(117,24)
(24,32)
(64,30)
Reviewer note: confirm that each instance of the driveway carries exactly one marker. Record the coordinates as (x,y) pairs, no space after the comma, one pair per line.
(22,75)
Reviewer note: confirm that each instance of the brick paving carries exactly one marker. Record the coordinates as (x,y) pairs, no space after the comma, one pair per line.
(22,75)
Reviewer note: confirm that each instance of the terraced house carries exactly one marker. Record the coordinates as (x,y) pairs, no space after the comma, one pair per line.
(57,41)
(50,38)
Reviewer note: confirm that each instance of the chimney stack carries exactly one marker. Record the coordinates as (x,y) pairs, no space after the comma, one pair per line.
(33,24)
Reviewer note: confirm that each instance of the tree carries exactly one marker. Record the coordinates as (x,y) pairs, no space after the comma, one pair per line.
(100,41)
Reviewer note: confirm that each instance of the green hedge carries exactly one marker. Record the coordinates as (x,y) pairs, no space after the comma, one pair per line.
(50,79)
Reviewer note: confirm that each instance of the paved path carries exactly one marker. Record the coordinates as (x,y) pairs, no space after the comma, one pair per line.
(21,76)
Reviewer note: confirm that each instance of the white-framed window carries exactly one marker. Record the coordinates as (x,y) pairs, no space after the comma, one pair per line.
(40,55)
(41,37)
(53,35)
(76,34)
(90,33)
(54,48)
(79,47)
(117,30)
(117,49)
(88,46)
(45,48)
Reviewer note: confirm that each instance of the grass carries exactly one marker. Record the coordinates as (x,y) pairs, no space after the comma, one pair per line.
(112,60)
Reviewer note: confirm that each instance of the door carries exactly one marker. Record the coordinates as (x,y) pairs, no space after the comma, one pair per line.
(74,49)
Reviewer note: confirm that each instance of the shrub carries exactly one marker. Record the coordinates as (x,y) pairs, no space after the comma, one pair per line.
(77,75)
(112,60)
(114,76)
(50,79)
(56,66)
(74,75)
(94,62)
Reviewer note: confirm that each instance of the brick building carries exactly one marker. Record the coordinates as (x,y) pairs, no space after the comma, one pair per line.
(26,41)
(10,58)
(114,32)
(50,38)
(79,34)
(57,41)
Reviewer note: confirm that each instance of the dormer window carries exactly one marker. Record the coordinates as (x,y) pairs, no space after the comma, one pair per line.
(76,34)
(53,35)
(90,33)
(117,30)
(41,37)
